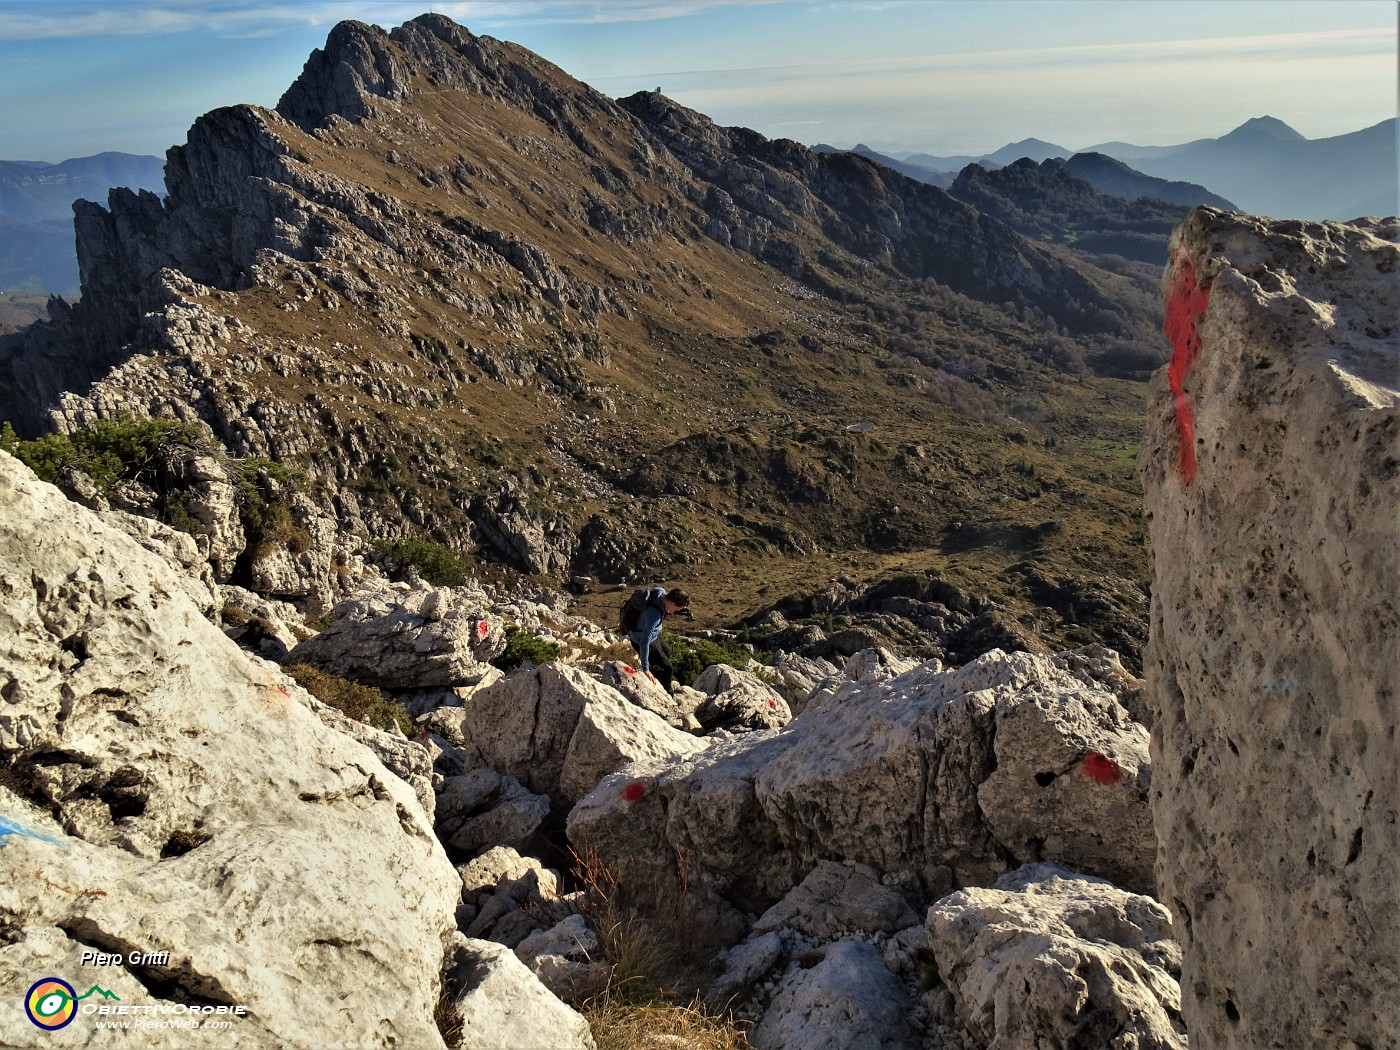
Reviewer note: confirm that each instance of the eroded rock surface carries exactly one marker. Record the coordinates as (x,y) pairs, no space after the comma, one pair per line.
(1272,475)
(951,776)
(163,791)
(1050,960)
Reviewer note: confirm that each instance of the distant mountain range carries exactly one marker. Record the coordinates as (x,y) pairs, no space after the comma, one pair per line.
(36,213)
(1264,166)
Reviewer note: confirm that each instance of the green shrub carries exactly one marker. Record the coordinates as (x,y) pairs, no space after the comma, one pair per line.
(435,562)
(690,656)
(109,451)
(524,648)
(359,702)
(265,489)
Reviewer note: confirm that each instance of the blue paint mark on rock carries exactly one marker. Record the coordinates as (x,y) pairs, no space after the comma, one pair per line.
(9,827)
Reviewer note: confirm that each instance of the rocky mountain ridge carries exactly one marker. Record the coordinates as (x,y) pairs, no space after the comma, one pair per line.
(472,300)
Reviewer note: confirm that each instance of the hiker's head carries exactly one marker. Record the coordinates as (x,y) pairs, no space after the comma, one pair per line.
(677,601)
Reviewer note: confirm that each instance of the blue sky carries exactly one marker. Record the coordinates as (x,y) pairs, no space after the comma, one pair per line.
(938,76)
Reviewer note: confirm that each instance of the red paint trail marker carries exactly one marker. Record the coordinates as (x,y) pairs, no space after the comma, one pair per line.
(483,628)
(1186,301)
(629,670)
(1099,767)
(634,791)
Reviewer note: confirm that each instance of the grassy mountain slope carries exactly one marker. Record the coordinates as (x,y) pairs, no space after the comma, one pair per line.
(476,301)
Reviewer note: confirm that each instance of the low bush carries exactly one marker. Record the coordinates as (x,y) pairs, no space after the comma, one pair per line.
(359,702)
(690,656)
(435,562)
(525,648)
(109,452)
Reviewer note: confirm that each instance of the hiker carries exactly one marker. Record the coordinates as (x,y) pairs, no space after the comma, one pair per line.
(642,616)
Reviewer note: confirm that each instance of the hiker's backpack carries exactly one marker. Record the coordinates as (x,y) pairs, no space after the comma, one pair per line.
(631,610)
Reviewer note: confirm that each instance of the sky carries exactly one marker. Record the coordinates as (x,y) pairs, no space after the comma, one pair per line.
(935,76)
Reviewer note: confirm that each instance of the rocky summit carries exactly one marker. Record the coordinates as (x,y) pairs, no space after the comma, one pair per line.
(470,300)
(283,752)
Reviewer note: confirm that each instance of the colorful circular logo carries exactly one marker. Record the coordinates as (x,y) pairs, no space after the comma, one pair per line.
(51,1003)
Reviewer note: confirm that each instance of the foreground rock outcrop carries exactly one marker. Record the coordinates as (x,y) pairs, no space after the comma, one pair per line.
(1046,958)
(946,777)
(163,792)
(1272,476)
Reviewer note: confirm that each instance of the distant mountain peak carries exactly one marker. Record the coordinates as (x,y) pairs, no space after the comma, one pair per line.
(1271,126)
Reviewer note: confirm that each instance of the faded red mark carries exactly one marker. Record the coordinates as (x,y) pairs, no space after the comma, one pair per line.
(283,691)
(629,670)
(424,738)
(483,628)
(634,791)
(1186,301)
(773,704)
(1098,766)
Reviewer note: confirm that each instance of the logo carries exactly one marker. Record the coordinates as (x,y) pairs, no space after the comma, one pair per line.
(51,1003)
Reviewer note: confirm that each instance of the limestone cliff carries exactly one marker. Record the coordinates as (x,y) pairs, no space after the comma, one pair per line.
(1272,471)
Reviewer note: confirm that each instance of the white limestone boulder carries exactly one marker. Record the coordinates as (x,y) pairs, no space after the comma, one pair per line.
(1271,479)
(676,709)
(1054,961)
(739,701)
(560,732)
(848,1000)
(175,795)
(911,774)
(405,639)
(500,1004)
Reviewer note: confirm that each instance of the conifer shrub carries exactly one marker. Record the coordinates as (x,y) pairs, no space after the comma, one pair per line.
(110,451)
(690,656)
(435,562)
(522,647)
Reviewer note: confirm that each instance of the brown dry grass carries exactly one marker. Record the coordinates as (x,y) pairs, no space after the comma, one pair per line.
(653,998)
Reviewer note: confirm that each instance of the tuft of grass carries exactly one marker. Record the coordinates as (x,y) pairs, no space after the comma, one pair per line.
(653,997)
(352,699)
(619,1024)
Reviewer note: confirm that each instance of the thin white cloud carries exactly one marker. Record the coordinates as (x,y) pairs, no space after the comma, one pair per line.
(30,21)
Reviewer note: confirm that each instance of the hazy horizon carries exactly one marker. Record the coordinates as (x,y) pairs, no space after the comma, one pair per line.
(945,77)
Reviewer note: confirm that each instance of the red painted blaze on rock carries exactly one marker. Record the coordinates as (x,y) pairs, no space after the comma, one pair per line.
(629,670)
(483,628)
(634,791)
(1186,300)
(1098,766)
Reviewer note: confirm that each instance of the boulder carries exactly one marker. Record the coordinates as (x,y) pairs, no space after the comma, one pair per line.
(838,900)
(499,1003)
(503,869)
(402,639)
(848,1000)
(799,676)
(262,625)
(911,774)
(560,732)
(636,688)
(567,958)
(739,700)
(1056,961)
(299,569)
(1271,469)
(166,792)
(179,549)
(482,809)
